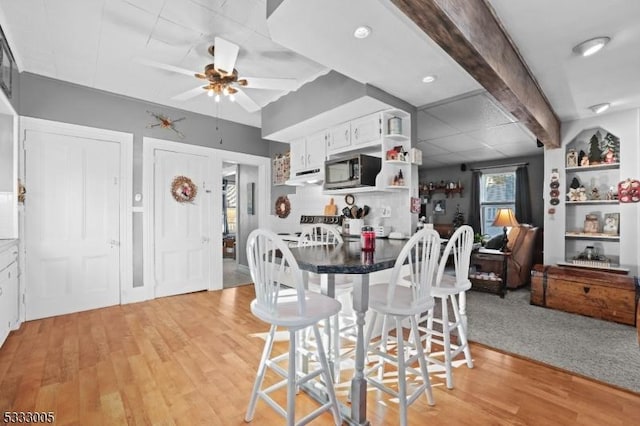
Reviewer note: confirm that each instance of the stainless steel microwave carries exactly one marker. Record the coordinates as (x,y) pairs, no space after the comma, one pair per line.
(351,172)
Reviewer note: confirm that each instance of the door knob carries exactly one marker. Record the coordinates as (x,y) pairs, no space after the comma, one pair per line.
(114,243)
(205,240)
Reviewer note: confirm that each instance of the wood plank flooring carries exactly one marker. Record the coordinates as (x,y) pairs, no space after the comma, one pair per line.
(191,360)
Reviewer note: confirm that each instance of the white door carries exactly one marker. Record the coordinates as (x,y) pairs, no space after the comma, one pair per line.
(182,230)
(72,224)
(316,148)
(339,137)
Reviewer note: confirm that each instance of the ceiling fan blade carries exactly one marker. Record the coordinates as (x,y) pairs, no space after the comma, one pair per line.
(191,93)
(271,83)
(245,101)
(165,67)
(225,55)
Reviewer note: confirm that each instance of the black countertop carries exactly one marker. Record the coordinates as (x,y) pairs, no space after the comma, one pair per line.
(348,258)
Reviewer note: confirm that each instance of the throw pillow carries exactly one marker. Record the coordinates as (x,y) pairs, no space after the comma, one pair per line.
(495,242)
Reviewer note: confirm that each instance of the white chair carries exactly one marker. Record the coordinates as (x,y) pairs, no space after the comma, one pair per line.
(399,302)
(343,323)
(450,288)
(294,309)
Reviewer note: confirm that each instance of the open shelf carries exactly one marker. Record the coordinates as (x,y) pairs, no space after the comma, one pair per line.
(603,166)
(396,187)
(596,202)
(591,236)
(397,162)
(397,137)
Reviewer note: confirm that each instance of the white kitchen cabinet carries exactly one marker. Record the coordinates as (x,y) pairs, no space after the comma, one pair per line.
(308,153)
(366,130)
(339,137)
(8,290)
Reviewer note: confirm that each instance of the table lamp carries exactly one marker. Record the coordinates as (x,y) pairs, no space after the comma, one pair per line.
(505,218)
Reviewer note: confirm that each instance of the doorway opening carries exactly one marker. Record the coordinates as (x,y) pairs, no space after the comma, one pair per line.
(233,274)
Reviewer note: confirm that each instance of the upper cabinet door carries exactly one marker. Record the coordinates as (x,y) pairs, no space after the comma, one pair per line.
(315,150)
(366,130)
(339,137)
(298,155)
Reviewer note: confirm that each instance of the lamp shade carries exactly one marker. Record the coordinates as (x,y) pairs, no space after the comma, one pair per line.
(505,217)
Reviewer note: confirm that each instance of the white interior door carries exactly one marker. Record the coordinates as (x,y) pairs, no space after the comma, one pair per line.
(72,224)
(182,230)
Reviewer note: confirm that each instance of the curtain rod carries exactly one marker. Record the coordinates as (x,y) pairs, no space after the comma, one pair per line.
(498,166)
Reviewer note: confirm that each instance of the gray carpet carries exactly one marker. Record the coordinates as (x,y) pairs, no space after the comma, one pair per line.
(604,350)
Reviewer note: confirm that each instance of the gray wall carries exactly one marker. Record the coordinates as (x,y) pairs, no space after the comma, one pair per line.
(246,222)
(453,173)
(6,153)
(56,100)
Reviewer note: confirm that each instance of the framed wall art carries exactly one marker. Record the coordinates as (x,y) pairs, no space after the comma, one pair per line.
(6,68)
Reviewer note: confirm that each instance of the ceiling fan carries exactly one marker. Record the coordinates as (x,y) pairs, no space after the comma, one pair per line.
(221,78)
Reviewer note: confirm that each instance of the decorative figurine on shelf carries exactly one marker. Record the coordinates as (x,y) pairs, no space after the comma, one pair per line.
(584,161)
(591,225)
(581,157)
(582,194)
(572,195)
(400,178)
(611,143)
(629,191)
(595,154)
(611,194)
(609,157)
(572,158)
(595,193)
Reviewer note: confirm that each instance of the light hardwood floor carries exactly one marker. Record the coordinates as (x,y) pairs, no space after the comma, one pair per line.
(191,360)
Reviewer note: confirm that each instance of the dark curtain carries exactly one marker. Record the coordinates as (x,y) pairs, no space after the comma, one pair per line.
(225,225)
(523,196)
(474,210)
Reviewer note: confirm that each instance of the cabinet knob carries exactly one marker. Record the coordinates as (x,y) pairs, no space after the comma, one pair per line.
(355,133)
(346,135)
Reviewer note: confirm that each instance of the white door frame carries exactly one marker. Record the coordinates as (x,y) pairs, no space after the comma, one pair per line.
(217,157)
(126,189)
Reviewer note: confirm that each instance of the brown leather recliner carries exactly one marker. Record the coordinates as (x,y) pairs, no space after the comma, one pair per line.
(522,243)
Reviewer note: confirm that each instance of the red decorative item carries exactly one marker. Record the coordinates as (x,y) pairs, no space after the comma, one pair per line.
(629,191)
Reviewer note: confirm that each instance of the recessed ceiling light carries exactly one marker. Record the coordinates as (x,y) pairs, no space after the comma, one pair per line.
(362,32)
(600,108)
(429,79)
(589,47)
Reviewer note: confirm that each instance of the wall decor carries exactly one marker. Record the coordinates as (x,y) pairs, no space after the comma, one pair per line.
(6,67)
(415,205)
(283,207)
(439,207)
(554,194)
(250,195)
(165,122)
(183,189)
(629,191)
(611,224)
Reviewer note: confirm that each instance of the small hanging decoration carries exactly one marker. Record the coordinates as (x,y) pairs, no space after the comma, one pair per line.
(283,207)
(554,194)
(183,189)
(165,122)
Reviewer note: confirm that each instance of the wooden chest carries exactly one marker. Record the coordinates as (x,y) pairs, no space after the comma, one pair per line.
(598,294)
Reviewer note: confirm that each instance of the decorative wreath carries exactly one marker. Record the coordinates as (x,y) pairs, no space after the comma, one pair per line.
(183,189)
(283,207)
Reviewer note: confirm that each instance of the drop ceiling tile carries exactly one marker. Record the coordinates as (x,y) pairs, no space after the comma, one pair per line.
(454,143)
(431,149)
(483,154)
(428,161)
(165,53)
(430,127)
(519,149)
(126,25)
(188,14)
(174,34)
(151,6)
(470,113)
(453,158)
(503,134)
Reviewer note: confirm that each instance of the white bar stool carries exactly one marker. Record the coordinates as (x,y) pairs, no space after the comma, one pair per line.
(295,309)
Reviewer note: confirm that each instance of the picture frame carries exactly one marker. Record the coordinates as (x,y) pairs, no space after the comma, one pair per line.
(611,224)
(439,207)
(250,197)
(6,68)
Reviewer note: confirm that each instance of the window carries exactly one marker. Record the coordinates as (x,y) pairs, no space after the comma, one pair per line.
(497,190)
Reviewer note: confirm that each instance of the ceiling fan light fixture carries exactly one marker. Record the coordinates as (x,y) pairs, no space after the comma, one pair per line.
(362,32)
(600,108)
(429,78)
(232,97)
(217,98)
(210,92)
(589,47)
